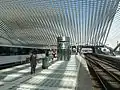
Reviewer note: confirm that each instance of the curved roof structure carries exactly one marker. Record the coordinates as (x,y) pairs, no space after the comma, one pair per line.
(114,35)
(39,22)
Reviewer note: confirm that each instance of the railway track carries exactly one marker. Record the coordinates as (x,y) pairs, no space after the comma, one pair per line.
(114,61)
(102,78)
(109,66)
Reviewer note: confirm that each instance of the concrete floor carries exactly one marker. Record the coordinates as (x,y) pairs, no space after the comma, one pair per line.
(62,75)
(84,79)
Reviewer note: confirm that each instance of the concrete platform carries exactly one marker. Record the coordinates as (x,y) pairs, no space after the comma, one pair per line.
(62,75)
(84,80)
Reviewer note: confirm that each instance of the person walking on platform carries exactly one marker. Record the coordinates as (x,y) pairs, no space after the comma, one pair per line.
(33,62)
(53,55)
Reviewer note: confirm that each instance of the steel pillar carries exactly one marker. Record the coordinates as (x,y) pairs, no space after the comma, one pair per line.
(63,48)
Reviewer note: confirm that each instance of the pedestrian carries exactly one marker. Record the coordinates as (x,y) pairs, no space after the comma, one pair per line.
(53,54)
(33,62)
(45,61)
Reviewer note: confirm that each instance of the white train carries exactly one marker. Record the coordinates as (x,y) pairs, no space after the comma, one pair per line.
(14,55)
(86,50)
(105,50)
(16,58)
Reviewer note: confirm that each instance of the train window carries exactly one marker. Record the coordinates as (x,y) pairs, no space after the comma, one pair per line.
(8,51)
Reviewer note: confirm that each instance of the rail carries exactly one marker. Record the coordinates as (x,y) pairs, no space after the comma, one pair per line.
(100,71)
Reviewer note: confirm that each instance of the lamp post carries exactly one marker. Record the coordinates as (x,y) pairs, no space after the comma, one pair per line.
(76,48)
(119,46)
(117,42)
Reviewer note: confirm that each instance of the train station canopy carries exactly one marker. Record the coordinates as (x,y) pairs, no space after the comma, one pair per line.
(38,23)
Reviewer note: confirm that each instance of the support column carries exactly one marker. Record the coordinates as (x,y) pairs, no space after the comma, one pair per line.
(95,50)
(63,48)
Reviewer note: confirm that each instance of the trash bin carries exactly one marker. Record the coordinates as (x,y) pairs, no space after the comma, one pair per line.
(45,62)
